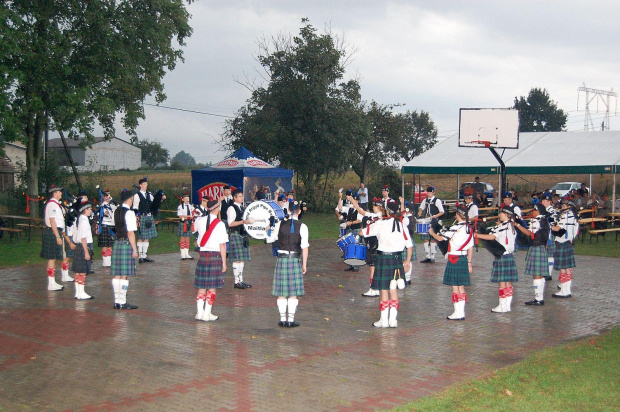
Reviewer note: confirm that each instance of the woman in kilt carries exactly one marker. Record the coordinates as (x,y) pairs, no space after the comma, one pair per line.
(409,224)
(185,213)
(461,240)
(565,233)
(504,268)
(371,241)
(536,262)
(239,247)
(125,251)
(390,267)
(212,238)
(82,236)
(288,275)
(547,201)
(105,240)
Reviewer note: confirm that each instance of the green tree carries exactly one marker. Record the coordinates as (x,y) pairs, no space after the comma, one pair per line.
(153,153)
(419,134)
(538,113)
(71,64)
(306,116)
(182,160)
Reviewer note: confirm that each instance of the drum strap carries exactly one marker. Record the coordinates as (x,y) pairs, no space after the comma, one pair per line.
(207,235)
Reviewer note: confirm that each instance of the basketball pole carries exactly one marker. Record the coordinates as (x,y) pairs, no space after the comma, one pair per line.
(502,171)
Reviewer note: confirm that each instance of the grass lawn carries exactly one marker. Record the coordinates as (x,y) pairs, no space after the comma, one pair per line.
(579,376)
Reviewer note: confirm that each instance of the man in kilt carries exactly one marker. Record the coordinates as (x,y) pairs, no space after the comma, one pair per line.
(239,248)
(147,230)
(212,239)
(52,241)
(82,238)
(504,268)
(371,241)
(547,201)
(432,208)
(460,238)
(124,252)
(565,233)
(288,275)
(392,238)
(185,212)
(105,240)
(352,220)
(409,224)
(536,262)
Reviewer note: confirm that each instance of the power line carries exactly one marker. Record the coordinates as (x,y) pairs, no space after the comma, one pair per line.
(188,111)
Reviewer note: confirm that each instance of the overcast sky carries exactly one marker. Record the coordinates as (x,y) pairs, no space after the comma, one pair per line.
(436,56)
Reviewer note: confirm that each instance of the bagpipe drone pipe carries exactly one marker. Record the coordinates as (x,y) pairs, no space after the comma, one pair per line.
(493,246)
(157,199)
(71,207)
(442,245)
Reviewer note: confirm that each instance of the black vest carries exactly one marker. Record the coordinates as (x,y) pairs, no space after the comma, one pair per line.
(431,208)
(120,225)
(287,240)
(351,217)
(238,218)
(542,235)
(145,203)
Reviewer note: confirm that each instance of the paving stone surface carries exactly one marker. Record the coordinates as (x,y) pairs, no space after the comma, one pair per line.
(60,354)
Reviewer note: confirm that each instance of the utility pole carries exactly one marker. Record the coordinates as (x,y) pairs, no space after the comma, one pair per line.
(599,96)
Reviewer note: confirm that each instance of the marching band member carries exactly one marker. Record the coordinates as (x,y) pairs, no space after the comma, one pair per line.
(432,208)
(392,239)
(547,201)
(385,196)
(288,280)
(409,224)
(239,250)
(536,262)
(472,209)
(565,233)
(226,200)
(461,241)
(82,237)
(209,276)
(509,203)
(147,230)
(125,251)
(371,241)
(105,240)
(504,268)
(352,222)
(185,212)
(52,241)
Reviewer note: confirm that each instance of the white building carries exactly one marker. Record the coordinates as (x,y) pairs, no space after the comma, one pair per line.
(14,153)
(113,154)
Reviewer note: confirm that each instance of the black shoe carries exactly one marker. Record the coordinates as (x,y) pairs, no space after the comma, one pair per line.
(548,278)
(189,257)
(92,272)
(148,260)
(240,285)
(90,298)
(140,260)
(124,306)
(356,269)
(408,282)
(427,260)
(247,285)
(555,295)
(292,324)
(282,324)
(535,302)
(349,269)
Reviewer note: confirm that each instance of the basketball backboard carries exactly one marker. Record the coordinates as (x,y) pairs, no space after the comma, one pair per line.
(497,128)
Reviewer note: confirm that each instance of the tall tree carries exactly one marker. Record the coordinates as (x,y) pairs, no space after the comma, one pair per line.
(306,116)
(153,153)
(71,64)
(538,113)
(419,134)
(182,160)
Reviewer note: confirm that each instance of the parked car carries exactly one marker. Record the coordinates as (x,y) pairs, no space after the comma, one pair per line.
(488,190)
(419,194)
(563,188)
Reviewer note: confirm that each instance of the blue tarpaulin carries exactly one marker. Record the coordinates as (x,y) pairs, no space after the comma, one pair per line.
(241,170)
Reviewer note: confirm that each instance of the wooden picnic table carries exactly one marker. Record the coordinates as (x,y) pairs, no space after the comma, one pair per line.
(29,220)
(614,214)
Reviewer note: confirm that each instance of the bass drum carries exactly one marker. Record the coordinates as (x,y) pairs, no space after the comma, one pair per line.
(258,214)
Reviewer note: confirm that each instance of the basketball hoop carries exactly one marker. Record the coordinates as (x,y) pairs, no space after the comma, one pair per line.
(485,143)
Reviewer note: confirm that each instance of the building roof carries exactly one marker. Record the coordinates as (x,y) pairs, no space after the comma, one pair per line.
(6,166)
(76,143)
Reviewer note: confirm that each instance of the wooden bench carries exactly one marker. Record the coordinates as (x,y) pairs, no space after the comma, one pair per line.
(601,232)
(11,232)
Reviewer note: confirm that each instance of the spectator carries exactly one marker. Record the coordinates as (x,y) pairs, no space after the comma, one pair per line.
(362,196)
(260,194)
(477,186)
(583,191)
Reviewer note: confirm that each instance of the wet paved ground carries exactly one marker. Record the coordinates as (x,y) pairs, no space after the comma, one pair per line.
(60,354)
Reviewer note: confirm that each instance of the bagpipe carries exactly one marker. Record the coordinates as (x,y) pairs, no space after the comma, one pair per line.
(158,197)
(493,246)
(69,202)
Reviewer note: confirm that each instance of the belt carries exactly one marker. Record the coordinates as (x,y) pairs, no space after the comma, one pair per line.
(289,254)
(458,253)
(388,253)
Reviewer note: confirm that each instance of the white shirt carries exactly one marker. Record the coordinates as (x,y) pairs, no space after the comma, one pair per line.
(53,209)
(108,213)
(505,234)
(218,236)
(459,238)
(231,213)
(83,230)
(567,221)
(185,209)
(362,195)
(472,211)
(130,220)
(434,200)
(389,242)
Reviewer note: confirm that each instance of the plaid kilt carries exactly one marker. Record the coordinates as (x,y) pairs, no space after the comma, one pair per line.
(147,232)
(413,254)
(123,263)
(288,279)
(504,269)
(49,248)
(105,239)
(80,264)
(68,253)
(564,256)
(184,233)
(551,248)
(536,263)
(236,251)
(457,274)
(384,271)
(209,273)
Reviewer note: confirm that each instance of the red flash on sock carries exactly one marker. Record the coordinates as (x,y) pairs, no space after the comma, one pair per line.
(502,292)
(65,266)
(210,297)
(201,296)
(455,297)
(51,272)
(461,296)
(384,305)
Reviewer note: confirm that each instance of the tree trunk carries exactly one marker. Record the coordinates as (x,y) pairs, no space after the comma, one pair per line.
(34,149)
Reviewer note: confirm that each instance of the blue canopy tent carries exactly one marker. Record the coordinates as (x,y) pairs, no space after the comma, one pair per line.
(241,170)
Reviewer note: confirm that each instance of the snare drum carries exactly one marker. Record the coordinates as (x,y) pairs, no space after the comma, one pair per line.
(423,225)
(276,209)
(258,214)
(355,254)
(346,240)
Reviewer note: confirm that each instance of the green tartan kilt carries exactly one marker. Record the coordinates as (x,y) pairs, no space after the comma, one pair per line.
(457,274)
(387,267)
(504,269)
(564,256)
(236,251)
(67,249)
(288,279)
(184,233)
(123,263)
(80,264)
(105,238)
(536,263)
(551,247)
(209,273)
(413,255)
(145,232)
(49,248)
